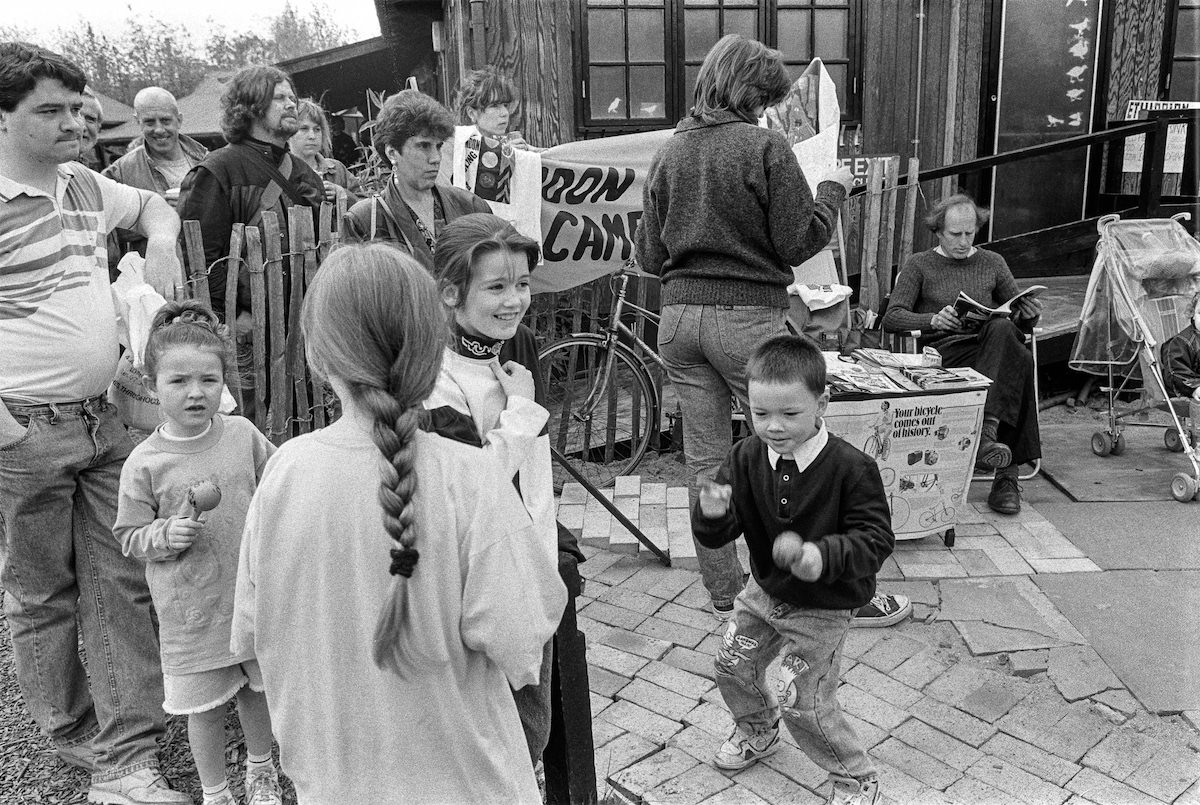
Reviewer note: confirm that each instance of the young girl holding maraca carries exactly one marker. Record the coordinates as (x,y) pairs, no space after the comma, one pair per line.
(183,500)
(411,705)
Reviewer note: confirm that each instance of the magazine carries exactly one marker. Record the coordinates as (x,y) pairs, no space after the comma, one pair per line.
(853,378)
(973,314)
(930,378)
(894,360)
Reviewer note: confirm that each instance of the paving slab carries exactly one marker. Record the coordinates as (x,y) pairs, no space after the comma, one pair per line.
(1131,536)
(1142,473)
(1143,624)
(1078,672)
(1004,614)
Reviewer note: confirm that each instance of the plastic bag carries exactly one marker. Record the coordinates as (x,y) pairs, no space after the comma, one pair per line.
(138,406)
(136,302)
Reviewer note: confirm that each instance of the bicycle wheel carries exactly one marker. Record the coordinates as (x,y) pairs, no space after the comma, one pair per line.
(609,439)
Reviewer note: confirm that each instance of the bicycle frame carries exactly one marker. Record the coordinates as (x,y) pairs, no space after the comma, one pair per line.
(612,333)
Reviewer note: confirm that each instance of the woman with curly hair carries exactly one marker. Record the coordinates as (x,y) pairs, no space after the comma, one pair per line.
(413,208)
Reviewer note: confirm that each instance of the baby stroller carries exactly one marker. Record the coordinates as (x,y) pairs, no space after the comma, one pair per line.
(1145,273)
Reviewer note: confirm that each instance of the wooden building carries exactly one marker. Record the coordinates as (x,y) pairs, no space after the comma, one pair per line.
(943,80)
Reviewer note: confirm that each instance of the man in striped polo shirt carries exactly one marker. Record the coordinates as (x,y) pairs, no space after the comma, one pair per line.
(61,444)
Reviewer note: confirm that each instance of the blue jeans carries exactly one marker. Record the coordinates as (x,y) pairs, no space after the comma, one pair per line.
(705,349)
(59,561)
(809,674)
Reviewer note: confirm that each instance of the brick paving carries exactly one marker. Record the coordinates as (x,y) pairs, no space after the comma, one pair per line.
(1020,710)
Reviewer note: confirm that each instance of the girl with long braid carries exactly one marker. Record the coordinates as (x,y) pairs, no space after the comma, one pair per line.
(383,576)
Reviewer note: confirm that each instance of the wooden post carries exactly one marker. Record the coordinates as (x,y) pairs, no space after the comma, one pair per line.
(569,758)
(1153,162)
(258,310)
(868,294)
(887,240)
(281,398)
(233,263)
(197,266)
(911,190)
(303,262)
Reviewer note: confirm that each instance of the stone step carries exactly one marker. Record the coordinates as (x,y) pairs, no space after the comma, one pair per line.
(659,511)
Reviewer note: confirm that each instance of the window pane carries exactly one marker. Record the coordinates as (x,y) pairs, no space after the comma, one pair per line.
(831,34)
(689,87)
(794,34)
(838,73)
(1185,81)
(607,93)
(699,32)
(1187,32)
(841,3)
(604,2)
(645,36)
(742,22)
(647,92)
(606,36)
(653,3)
(740,2)
(690,3)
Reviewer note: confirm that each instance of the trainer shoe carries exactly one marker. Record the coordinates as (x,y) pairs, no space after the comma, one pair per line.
(224,798)
(721,613)
(262,786)
(742,750)
(883,610)
(141,787)
(855,792)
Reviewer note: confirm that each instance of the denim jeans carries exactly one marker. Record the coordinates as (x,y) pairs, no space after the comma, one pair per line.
(811,639)
(705,349)
(59,561)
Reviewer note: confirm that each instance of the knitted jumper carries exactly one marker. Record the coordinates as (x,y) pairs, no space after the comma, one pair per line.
(727,213)
(930,281)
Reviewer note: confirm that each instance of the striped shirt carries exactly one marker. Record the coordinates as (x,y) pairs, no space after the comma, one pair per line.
(58,325)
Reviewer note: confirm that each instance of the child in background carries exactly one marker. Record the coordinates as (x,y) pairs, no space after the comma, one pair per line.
(414,705)
(182,504)
(790,479)
(1181,356)
(489,377)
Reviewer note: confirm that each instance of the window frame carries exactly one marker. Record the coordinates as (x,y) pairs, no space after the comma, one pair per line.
(676,72)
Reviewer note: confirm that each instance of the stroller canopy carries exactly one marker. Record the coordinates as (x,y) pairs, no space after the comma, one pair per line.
(1145,273)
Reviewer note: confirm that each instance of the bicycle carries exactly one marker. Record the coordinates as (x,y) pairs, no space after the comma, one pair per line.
(602,395)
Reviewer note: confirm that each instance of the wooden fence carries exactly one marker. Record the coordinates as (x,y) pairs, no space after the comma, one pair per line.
(276,369)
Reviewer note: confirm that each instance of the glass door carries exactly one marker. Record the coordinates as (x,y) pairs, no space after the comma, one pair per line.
(1049,51)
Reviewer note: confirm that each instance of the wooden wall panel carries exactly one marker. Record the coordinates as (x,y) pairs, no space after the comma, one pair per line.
(1135,62)
(532,41)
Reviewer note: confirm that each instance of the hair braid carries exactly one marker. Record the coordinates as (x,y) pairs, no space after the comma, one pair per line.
(367,322)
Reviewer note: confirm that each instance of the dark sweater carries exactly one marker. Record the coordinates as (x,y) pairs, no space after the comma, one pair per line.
(727,213)
(227,189)
(838,502)
(930,281)
(1181,362)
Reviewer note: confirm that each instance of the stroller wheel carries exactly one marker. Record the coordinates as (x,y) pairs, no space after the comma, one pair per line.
(1172,441)
(1102,443)
(1118,444)
(1183,487)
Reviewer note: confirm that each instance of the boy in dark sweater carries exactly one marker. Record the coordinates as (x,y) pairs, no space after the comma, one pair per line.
(816,520)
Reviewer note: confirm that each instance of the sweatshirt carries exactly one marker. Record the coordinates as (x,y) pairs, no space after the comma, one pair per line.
(837,502)
(192,589)
(727,212)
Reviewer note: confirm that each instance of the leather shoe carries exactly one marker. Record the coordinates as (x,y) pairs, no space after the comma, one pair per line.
(992,454)
(1005,497)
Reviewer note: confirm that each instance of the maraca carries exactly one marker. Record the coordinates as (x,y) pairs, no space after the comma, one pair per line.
(788,549)
(203,497)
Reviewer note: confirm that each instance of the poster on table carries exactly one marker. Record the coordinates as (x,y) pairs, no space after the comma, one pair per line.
(591,190)
(925,447)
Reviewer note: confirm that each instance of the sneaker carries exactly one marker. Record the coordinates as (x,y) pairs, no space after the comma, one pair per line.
(742,750)
(855,792)
(883,610)
(141,787)
(262,787)
(721,613)
(224,798)
(1005,497)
